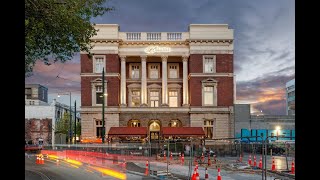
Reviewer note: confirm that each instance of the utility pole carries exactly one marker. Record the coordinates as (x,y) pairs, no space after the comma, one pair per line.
(75,122)
(103,96)
(70,127)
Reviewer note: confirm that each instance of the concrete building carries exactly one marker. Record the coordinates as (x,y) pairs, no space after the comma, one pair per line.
(247,124)
(157,80)
(41,117)
(290,97)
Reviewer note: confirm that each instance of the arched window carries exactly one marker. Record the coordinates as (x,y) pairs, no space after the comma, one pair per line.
(134,123)
(175,123)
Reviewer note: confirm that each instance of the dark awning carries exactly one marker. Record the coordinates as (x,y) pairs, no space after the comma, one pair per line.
(128,131)
(182,131)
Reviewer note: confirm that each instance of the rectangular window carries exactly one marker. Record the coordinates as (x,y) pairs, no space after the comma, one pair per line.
(99,132)
(99,64)
(173,98)
(28,93)
(154,98)
(135,71)
(173,70)
(208,95)
(208,132)
(154,70)
(209,64)
(135,98)
(99,95)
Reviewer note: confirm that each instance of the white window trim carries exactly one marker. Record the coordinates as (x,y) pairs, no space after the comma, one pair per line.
(149,69)
(175,87)
(211,126)
(214,63)
(98,82)
(94,63)
(130,70)
(213,83)
(133,87)
(154,87)
(168,70)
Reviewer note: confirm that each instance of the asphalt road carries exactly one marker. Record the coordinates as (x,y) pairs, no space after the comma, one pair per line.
(64,171)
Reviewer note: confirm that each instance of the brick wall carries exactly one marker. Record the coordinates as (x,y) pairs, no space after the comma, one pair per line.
(38,128)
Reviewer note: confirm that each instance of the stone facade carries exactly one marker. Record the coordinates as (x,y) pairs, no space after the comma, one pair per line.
(120,51)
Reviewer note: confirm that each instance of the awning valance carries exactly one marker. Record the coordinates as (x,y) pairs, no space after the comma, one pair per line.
(128,131)
(182,131)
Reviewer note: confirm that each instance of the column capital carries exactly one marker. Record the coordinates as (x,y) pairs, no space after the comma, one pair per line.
(123,58)
(185,57)
(143,57)
(164,58)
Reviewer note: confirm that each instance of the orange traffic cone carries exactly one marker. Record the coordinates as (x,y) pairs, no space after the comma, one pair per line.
(240,159)
(42,160)
(197,173)
(170,156)
(219,176)
(182,159)
(292,167)
(194,174)
(249,161)
(260,163)
(273,168)
(254,161)
(147,168)
(206,176)
(37,160)
(209,161)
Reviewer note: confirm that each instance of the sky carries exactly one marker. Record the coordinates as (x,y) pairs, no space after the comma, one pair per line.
(264,44)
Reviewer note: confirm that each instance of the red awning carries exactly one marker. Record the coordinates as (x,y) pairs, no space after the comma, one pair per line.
(182,131)
(128,131)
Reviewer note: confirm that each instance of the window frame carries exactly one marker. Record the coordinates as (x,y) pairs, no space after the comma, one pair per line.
(130,70)
(168,69)
(95,63)
(214,63)
(94,84)
(149,70)
(210,83)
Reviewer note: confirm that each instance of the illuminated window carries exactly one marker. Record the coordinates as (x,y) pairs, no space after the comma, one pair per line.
(208,128)
(173,98)
(134,123)
(175,123)
(135,98)
(209,64)
(154,98)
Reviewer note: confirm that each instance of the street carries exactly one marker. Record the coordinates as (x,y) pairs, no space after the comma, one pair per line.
(50,170)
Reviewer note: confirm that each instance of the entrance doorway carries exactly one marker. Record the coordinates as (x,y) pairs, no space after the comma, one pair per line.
(154,129)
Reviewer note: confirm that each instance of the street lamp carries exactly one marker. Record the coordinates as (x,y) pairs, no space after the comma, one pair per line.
(70,131)
(278,129)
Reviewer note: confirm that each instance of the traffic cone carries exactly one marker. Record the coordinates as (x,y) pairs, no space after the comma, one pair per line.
(202,157)
(273,168)
(206,176)
(42,160)
(249,161)
(209,161)
(292,167)
(147,168)
(240,159)
(194,174)
(197,173)
(37,160)
(170,156)
(219,176)
(254,161)
(260,163)
(182,159)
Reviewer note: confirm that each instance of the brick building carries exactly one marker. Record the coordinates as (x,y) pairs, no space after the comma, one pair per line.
(159,80)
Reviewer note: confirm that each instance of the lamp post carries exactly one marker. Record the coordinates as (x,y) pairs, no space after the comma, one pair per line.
(70,131)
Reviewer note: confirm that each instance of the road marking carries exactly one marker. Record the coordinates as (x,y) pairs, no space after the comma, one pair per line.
(43,176)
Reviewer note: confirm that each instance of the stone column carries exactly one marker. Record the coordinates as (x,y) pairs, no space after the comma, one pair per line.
(185,81)
(144,81)
(164,81)
(123,87)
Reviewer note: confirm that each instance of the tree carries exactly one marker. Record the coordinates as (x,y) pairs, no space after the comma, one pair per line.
(57,29)
(62,126)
